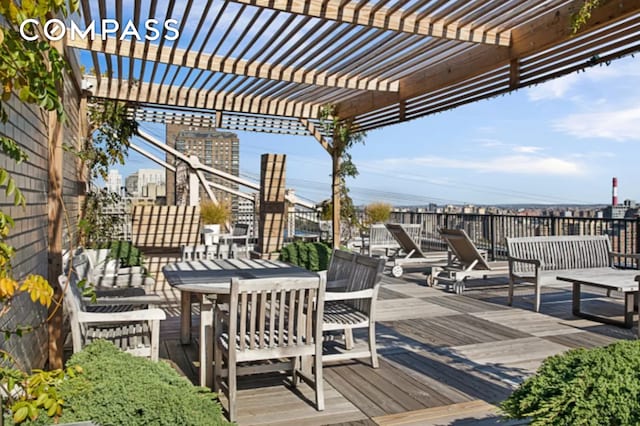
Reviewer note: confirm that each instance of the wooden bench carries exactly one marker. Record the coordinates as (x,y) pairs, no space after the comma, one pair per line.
(540,260)
(115,319)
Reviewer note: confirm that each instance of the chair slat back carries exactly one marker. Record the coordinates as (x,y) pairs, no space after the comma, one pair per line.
(407,237)
(240,230)
(367,274)
(463,248)
(275,313)
(199,252)
(341,265)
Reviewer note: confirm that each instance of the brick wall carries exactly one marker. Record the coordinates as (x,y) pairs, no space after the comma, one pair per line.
(28,125)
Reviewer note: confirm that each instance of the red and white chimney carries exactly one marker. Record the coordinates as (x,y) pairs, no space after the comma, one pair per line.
(614,192)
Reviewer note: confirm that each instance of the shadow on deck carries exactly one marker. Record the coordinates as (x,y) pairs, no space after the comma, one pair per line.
(445,359)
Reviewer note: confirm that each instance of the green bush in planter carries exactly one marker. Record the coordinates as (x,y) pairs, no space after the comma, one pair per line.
(313,256)
(599,386)
(117,388)
(124,251)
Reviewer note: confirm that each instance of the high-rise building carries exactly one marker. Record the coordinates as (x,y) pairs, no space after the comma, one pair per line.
(220,150)
(149,183)
(114,181)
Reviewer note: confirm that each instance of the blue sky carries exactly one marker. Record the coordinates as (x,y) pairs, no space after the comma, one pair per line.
(558,142)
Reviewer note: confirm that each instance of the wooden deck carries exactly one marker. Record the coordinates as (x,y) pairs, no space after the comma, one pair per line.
(444,358)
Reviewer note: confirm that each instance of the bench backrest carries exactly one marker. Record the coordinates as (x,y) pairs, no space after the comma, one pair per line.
(561,252)
(199,252)
(73,304)
(379,236)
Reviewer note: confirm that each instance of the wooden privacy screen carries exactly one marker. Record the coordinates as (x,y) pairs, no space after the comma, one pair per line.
(165,226)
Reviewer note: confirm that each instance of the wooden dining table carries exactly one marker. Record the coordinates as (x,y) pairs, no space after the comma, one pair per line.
(211,280)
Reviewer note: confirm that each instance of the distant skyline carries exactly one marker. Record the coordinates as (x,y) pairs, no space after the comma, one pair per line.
(559,142)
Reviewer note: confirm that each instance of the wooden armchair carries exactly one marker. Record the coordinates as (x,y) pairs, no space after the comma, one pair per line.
(236,244)
(133,330)
(271,318)
(354,307)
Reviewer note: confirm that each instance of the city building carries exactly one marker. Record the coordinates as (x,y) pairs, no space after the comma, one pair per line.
(146,183)
(220,150)
(114,181)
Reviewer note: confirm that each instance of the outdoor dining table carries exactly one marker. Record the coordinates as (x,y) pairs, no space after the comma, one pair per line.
(211,279)
(620,280)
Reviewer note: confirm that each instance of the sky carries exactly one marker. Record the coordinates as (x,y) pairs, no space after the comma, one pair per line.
(560,142)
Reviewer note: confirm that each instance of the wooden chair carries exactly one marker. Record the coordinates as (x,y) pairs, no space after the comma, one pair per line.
(355,307)
(464,262)
(136,331)
(236,244)
(269,319)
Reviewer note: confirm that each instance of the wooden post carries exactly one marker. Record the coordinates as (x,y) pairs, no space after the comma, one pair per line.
(54,232)
(272,204)
(336,187)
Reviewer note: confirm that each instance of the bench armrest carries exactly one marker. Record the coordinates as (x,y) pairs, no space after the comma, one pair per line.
(115,317)
(133,300)
(348,295)
(613,254)
(513,259)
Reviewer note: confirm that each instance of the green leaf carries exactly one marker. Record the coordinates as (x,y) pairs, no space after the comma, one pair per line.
(21,414)
(11,187)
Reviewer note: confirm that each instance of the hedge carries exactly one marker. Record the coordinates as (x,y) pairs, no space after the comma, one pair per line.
(313,256)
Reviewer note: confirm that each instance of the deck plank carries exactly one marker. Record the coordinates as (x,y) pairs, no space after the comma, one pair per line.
(444,358)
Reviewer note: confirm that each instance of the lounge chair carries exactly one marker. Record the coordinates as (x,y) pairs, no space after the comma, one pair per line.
(465,262)
(410,251)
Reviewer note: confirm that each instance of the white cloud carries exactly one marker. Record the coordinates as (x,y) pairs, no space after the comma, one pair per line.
(620,125)
(553,89)
(527,149)
(515,164)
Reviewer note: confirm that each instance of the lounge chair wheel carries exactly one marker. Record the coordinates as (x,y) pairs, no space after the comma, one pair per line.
(396,271)
(458,287)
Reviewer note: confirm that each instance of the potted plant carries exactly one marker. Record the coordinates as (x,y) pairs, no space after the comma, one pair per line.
(214,216)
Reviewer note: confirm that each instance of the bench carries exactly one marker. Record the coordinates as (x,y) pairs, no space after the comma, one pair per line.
(124,321)
(540,260)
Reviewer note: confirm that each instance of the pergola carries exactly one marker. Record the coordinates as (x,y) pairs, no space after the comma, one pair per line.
(270,65)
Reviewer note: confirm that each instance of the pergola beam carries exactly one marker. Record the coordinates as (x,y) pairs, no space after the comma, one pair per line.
(217,63)
(546,31)
(385,18)
(186,97)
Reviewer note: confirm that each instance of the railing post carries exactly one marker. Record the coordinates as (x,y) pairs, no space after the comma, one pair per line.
(492,236)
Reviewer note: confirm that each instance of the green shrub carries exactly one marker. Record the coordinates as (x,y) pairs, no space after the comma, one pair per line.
(117,388)
(127,253)
(599,386)
(313,256)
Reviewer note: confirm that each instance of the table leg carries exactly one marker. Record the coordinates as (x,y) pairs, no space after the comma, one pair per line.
(575,306)
(629,299)
(206,342)
(185,317)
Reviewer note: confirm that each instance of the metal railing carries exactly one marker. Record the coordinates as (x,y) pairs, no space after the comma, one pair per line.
(489,231)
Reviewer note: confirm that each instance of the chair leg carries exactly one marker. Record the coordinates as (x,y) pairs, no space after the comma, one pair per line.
(217,369)
(348,339)
(510,297)
(319,381)
(372,344)
(537,303)
(295,379)
(233,391)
